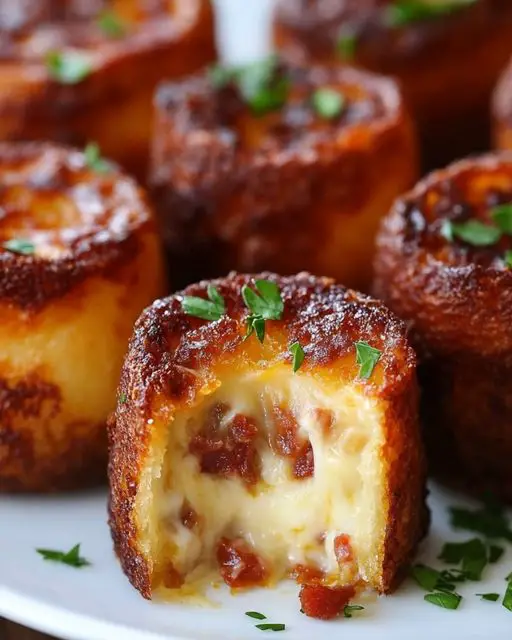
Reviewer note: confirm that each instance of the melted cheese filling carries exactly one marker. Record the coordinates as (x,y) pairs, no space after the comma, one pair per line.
(285,520)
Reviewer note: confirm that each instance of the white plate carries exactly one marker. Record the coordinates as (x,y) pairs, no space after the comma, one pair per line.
(97,603)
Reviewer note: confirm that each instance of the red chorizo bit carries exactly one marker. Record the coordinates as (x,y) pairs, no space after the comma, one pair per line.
(325,419)
(324,603)
(243,429)
(304,465)
(188,516)
(285,441)
(306,574)
(343,549)
(239,566)
(171,578)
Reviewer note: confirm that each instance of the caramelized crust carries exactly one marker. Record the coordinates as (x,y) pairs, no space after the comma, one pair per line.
(502,111)
(457,300)
(67,308)
(447,66)
(112,104)
(285,191)
(175,361)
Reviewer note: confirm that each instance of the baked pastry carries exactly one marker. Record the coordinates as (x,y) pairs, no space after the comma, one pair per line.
(502,111)
(444,264)
(276,437)
(447,54)
(79,260)
(75,71)
(280,168)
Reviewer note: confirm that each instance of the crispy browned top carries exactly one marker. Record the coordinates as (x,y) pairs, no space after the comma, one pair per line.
(79,221)
(170,348)
(29,30)
(318,24)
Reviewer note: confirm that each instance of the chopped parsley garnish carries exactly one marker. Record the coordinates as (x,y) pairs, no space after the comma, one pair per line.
(472,554)
(403,12)
(72,558)
(347,45)
(491,597)
(507,258)
(271,626)
(443,599)
(298,355)
(507,598)
(19,245)
(212,309)
(473,232)
(262,84)
(328,103)
(68,67)
(349,609)
(255,614)
(94,160)
(486,520)
(495,553)
(502,216)
(122,398)
(264,304)
(367,358)
(111,24)
(430,579)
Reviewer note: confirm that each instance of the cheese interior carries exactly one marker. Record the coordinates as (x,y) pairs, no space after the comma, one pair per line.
(287,521)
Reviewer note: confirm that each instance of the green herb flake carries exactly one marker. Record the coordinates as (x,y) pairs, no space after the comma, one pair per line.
(298,355)
(264,304)
(122,398)
(491,597)
(489,522)
(271,626)
(68,67)
(443,599)
(256,615)
(347,45)
(212,309)
(426,577)
(72,558)
(328,103)
(94,160)
(502,216)
(349,609)
(472,554)
(367,358)
(111,24)
(472,232)
(507,598)
(495,553)
(19,245)
(403,12)
(507,259)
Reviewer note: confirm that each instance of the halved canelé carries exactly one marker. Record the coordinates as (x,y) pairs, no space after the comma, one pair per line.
(247,461)
(73,71)
(447,55)
(502,111)
(79,260)
(276,167)
(444,264)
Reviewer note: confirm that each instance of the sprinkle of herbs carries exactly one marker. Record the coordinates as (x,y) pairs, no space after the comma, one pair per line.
(502,216)
(271,626)
(472,232)
(255,614)
(111,24)
(212,309)
(349,609)
(68,67)
(507,598)
(328,103)
(367,358)
(400,13)
(72,557)
(347,45)
(443,599)
(298,355)
(94,160)
(508,259)
(264,304)
(491,597)
(19,245)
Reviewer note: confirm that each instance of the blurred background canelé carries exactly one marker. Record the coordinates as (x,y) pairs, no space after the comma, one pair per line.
(447,55)
(444,264)
(73,71)
(279,167)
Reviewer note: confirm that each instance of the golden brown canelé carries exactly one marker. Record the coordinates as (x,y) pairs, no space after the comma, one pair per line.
(79,260)
(447,61)
(285,190)
(457,299)
(502,111)
(72,71)
(225,464)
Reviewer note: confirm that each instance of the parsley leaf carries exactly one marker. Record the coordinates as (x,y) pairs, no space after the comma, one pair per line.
(443,599)
(473,232)
(19,245)
(367,357)
(94,160)
(347,45)
(350,608)
(328,103)
(502,216)
(430,579)
(111,24)
(255,614)
(491,597)
(472,554)
(270,626)
(122,398)
(403,12)
(72,557)
(489,522)
(298,355)
(68,67)
(508,259)
(507,598)
(212,309)
(265,304)
(495,553)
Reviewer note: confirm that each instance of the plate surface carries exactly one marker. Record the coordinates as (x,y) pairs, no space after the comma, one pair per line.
(97,603)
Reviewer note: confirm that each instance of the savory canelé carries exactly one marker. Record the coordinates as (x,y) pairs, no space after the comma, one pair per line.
(72,71)
(276,167)
(444,264)
(447,54)
(502,111)
(79,260)
(266,428)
